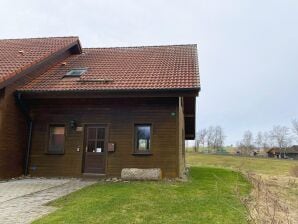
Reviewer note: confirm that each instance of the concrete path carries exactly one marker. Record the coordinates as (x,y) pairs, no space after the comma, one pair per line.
(22,201)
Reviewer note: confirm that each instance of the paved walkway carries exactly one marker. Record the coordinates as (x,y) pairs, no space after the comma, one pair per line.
(22,201)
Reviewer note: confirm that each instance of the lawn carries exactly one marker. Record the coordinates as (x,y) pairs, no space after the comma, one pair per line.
(251,164)
(276,191)
(209,197)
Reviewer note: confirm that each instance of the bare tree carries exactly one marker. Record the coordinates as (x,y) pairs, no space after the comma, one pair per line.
(215,137)
(266,143)
(247,139)
(281,136)
(219,137)
(210,136)
(295,127)
(259,140)
(246,145)
(202,134)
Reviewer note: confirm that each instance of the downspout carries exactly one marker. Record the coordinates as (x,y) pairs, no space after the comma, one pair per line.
(25,110)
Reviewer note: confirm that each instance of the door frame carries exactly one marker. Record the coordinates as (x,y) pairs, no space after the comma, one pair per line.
(107,131)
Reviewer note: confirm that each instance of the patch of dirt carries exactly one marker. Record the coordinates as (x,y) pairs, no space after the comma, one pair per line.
(273,199)
(294,171)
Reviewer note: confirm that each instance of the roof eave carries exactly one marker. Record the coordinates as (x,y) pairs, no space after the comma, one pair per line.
(174,92)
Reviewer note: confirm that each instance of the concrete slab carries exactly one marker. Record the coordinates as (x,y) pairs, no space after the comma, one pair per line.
(22,201)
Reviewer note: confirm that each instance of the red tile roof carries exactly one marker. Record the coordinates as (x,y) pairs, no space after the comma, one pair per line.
(17,55)
(124,68)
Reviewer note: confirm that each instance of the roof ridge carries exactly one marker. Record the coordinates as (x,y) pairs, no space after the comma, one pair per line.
(144,46)
(34,38)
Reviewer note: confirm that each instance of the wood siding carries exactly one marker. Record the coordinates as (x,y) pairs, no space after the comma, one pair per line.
(181,130)
(119,115)
(13,128)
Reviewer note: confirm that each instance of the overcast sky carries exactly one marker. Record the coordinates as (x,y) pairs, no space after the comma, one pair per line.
(248,49)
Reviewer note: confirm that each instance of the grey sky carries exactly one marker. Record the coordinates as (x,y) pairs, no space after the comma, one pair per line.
(248,49)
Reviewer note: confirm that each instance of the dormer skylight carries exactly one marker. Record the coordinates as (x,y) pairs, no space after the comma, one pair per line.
(76,72)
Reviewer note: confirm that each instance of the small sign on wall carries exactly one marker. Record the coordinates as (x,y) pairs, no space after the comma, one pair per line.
(111,147)
(79,129)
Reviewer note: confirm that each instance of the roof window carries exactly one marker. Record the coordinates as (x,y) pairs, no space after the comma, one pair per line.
(76,72)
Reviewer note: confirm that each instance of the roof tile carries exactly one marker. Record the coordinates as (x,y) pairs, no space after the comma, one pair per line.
(124,68)
(17,55)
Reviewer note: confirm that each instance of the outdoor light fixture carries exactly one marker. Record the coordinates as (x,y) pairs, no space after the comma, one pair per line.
(73,124)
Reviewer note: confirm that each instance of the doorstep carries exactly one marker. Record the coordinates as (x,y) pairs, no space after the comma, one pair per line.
(93,176)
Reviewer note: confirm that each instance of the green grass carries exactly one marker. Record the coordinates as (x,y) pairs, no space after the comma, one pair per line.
(209,197)
(252,164)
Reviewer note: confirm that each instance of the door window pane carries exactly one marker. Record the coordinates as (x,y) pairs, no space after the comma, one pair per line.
(92,133)
(56,139)
(100,133)
(100,146)
(91,146)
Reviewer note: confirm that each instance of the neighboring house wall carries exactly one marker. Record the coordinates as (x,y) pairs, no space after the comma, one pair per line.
(273,154)
(120,115)
(293,155)
(270,155)
(13,127)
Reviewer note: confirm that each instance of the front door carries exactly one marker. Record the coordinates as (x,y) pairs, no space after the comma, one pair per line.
(95,149)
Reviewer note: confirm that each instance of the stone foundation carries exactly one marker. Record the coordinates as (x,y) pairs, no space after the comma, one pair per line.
(141,174)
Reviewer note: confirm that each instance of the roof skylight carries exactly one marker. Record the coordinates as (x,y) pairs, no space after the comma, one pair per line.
(76,72)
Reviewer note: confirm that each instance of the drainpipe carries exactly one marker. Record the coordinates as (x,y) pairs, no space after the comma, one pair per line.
(25,110)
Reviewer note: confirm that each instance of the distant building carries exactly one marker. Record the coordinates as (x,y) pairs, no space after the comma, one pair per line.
(291,152)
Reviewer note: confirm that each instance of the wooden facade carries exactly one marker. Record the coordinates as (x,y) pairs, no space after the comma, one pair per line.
(119,115)
(13,124)
(41,109)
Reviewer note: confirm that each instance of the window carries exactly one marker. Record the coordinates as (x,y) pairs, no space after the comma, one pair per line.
(142,138)
(96,139)
(56,139)
(77,72)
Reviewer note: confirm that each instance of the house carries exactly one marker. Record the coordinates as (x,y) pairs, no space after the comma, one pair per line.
(69,111)
(291,152)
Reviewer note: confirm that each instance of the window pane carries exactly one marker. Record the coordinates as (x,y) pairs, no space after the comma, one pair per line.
(56,141)
(92,133)
(100,133)
(76,72)
(91,146)
(100,146)
(143,138)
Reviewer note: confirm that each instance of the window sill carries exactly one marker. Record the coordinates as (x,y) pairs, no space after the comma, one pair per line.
(142,153)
